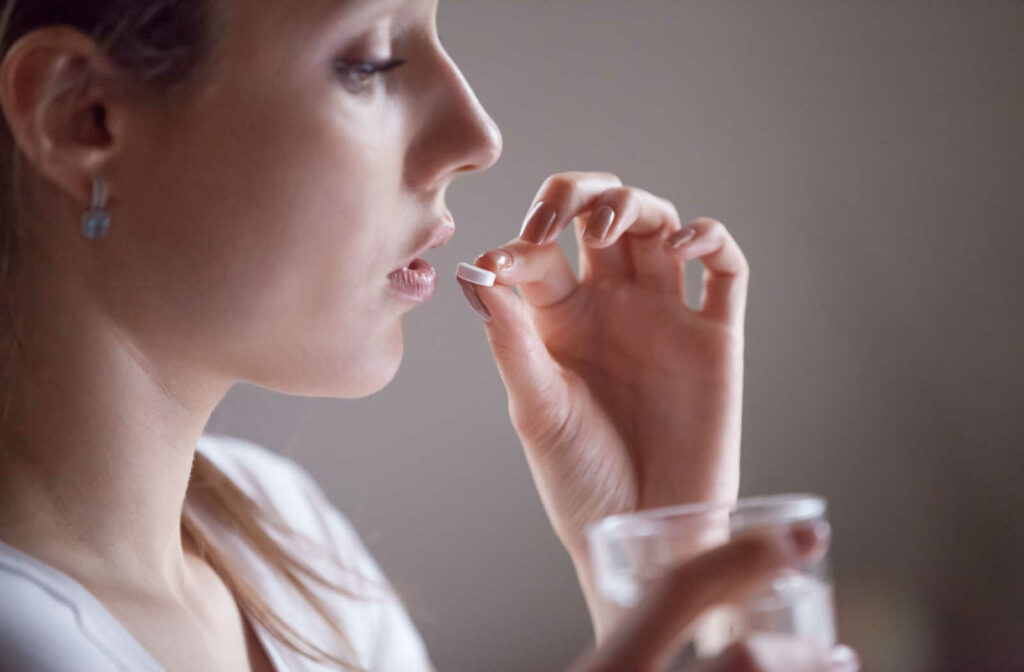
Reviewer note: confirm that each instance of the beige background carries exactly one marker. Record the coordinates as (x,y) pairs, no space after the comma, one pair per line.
(869,158)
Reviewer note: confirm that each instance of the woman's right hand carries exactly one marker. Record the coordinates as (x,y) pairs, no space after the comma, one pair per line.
(655,630)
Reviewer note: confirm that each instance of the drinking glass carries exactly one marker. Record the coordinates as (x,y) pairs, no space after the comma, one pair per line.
(631,551)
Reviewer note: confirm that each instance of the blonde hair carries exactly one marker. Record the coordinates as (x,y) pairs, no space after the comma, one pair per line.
(215,492)
(164,44)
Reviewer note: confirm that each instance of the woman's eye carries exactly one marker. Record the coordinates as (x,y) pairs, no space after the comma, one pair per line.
(358,76)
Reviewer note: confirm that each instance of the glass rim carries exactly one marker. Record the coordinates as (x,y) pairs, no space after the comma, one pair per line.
(804,506)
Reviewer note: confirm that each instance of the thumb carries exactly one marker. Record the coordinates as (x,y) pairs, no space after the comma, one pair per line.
(531,376)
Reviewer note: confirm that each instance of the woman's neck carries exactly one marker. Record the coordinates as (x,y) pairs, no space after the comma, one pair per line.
(96,446)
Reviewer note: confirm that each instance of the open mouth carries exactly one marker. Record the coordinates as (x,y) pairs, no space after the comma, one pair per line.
(417,264)
(418,280)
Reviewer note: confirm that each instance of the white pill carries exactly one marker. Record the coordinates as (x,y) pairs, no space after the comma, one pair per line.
(475,274)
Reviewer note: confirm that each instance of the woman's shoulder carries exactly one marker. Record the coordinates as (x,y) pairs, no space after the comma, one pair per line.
(40,605)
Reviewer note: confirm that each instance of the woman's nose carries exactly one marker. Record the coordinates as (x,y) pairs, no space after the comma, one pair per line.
(488,147)
(459,136)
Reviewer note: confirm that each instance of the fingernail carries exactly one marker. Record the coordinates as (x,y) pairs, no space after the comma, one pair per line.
(843,659)
(469,289)
(681,237)
(497,259)
(537,223)
(600,223)
(805,537)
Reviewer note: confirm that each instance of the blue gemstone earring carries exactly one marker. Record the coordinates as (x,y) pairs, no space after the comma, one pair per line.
(96,219)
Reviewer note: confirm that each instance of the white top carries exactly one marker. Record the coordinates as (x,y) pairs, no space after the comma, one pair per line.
(50,623)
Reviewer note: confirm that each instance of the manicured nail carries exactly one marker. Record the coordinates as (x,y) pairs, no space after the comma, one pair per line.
(843,659)
(600,223)
(538,222)
(498,259)
(805,537)
(469,289)
(681,237)
(478,276)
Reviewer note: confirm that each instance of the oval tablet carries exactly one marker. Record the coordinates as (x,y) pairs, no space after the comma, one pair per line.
(475,274)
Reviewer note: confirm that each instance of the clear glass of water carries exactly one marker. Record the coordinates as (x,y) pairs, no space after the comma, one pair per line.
(630,551)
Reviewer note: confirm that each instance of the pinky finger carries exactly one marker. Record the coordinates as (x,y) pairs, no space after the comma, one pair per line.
(726,272)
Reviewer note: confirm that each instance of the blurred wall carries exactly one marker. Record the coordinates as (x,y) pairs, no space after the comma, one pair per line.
(869,158)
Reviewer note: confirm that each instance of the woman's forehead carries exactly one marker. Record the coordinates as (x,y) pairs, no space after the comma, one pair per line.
(349,7)
(326,13)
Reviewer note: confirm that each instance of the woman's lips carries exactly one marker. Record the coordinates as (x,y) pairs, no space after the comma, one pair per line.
(417,282)
(442,232)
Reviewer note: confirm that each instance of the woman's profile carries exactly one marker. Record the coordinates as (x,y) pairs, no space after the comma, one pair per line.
(200,192)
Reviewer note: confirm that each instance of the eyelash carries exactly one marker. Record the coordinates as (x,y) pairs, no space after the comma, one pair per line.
(368,69)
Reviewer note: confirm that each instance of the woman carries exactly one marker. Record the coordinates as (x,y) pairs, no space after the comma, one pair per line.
(206,191)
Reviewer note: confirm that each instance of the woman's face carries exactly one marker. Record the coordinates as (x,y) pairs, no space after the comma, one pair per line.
(254,228)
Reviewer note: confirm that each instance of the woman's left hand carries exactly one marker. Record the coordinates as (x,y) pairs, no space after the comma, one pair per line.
(623,396)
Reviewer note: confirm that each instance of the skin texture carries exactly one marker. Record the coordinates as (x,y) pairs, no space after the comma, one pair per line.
(253,227)
(623,396)
(627,399)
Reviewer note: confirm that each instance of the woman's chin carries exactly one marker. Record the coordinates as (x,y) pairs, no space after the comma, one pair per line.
(342,375)
(367,374)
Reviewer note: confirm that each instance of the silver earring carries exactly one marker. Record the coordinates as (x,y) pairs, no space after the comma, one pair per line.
(96,219)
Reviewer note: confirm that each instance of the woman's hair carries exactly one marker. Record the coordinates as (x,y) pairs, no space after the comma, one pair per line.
(164,46)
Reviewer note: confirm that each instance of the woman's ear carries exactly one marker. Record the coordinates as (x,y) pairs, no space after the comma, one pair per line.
(55,89)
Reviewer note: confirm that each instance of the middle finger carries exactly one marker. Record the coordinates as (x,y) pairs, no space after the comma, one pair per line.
(560,199)
(567,196)
(647,219)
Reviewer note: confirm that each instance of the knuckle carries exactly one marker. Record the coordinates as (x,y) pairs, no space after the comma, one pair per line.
(618,193)
(742,263)
(617,197)
(564,184)
(559,184)
(627,198)
(671,209)
(607,175)
(708,226)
